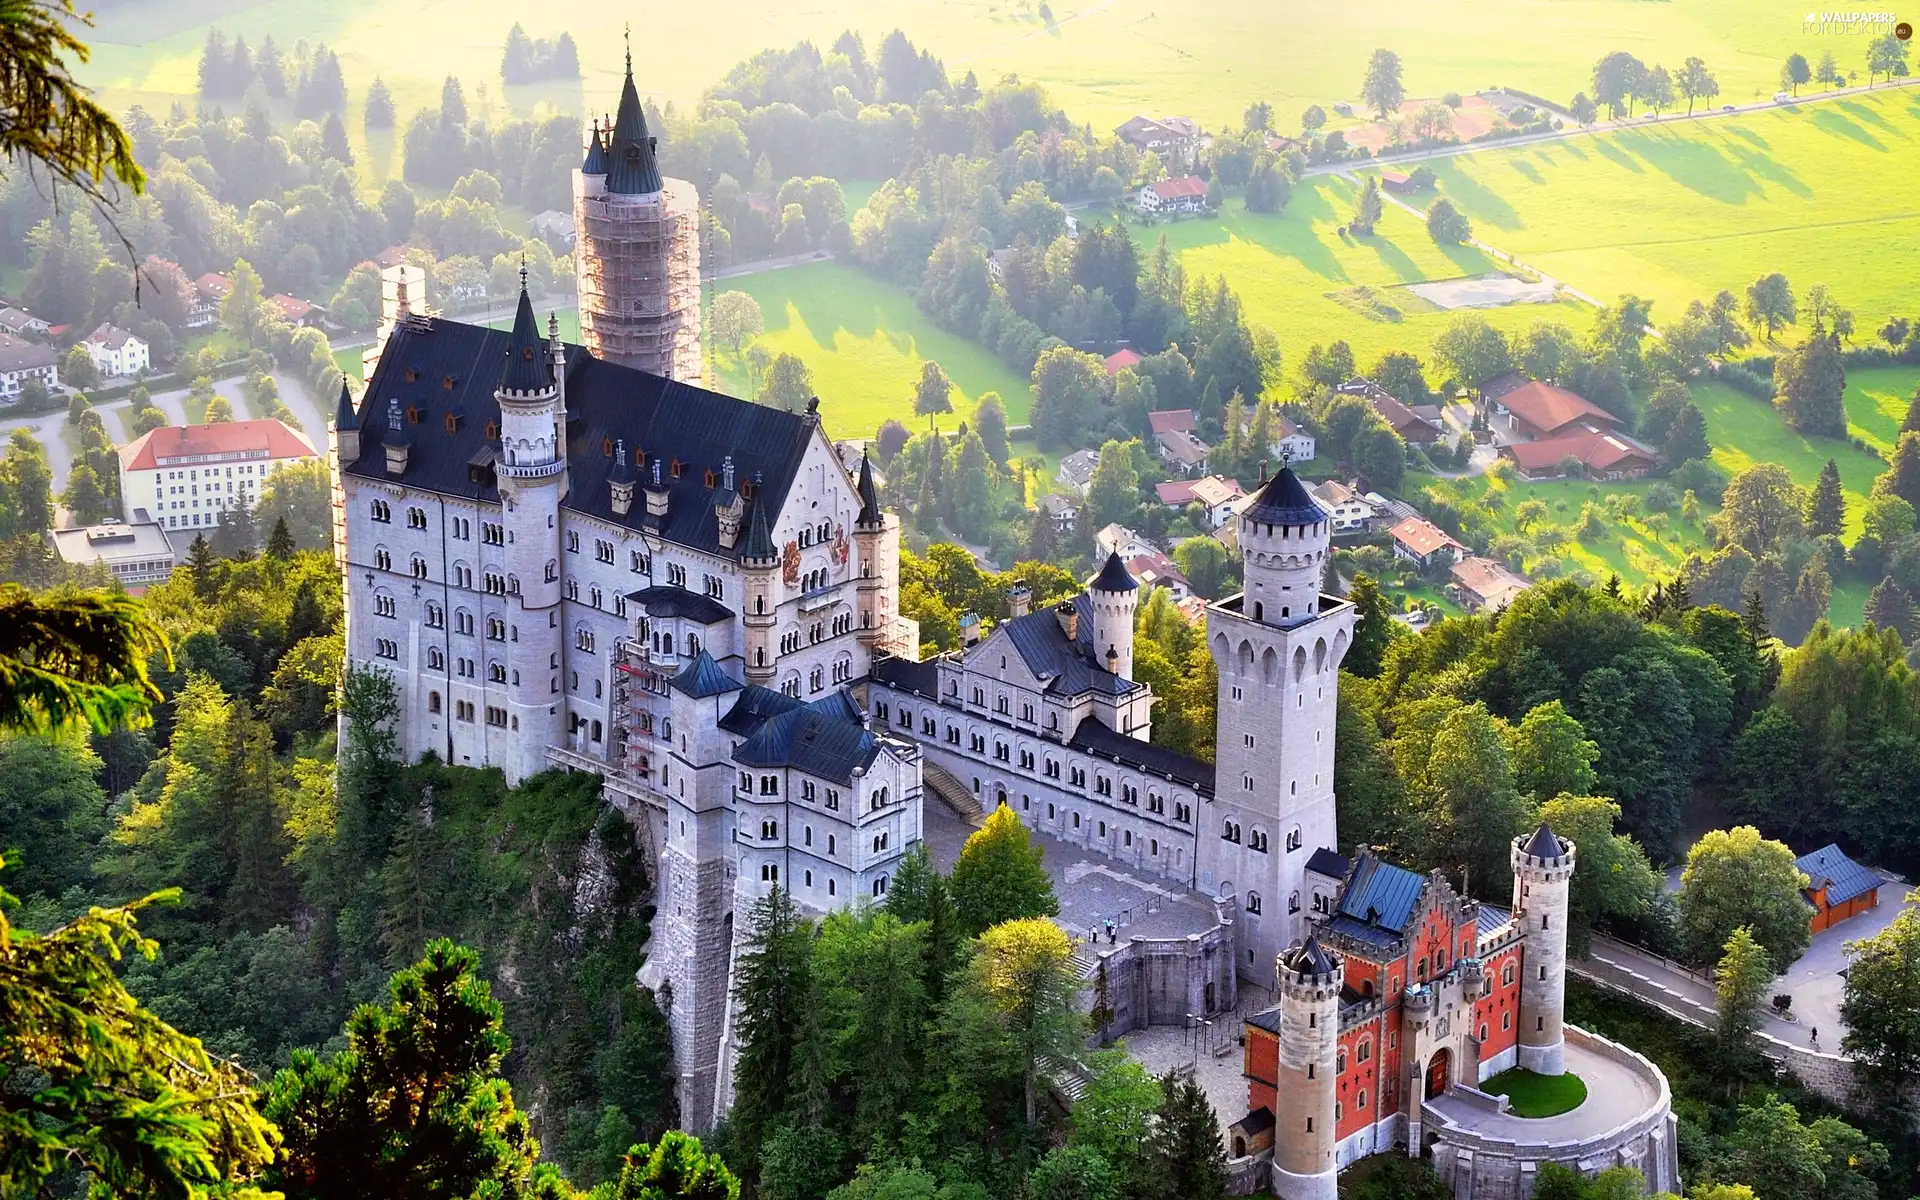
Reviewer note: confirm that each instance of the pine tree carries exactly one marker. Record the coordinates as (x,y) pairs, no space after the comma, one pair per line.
(1688,439)
(1889,606)
(1186,1158)
(200,560)
(1372,631)
(999,876)
(1827,505)
(280,542)
(1812,385)
(379,106)
(1043,540)
(1902,476)
(772,984)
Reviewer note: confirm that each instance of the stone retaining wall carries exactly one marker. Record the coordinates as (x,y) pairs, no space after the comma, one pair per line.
(1480,1166)
(1163,981)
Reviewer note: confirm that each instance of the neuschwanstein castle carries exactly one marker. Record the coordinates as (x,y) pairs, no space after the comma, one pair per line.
(574,556)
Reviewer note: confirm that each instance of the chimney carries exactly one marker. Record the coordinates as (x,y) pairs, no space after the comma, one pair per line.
(1019,599)
(1069,618)
(657,494)
(621,480)
(558,352)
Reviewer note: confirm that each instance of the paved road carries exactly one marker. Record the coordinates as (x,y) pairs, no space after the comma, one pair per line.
(1640,122)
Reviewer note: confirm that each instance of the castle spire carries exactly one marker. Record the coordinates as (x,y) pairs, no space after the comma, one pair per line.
(344,416)
(631,167)
(596,162)
(869,495)
(528,368)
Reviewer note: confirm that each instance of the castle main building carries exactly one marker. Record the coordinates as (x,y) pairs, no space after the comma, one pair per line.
(573,556)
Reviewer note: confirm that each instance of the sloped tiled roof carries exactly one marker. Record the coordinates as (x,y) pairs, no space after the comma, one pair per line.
(663,600)
(1549,408)
(1422,536)
(826,739)
(662,419)
(703,677)
(147,451)
(1327,862)
(1377,902)
(1171,420)
(1843,878)
(1177,189)
(1113,576)
(1121,359)
(1095,738)
(1598,449)
(1283,500)
(1069,667)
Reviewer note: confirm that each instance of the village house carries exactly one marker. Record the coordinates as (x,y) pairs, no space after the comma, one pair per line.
(554,226)
(1420,425)
(297,312)
(1293,444)
(1837,887)
(1424,544)
(1118,539)
(21,361)
(1536,410)
(1188,194)
(1152,569)
(1348,509)
(1076,470)
(115,352)
(1484,585)
(1397,182)
(1062,510)
(1586,452)
(1215,494)
(208,291)
(1122,359)
(1174,139)
(23,324)
(187,476)
(1182,451)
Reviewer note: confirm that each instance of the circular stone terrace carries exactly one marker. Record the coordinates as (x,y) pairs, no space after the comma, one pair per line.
(1483,1150)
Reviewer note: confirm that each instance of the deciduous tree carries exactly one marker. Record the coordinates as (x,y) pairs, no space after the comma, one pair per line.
(1381,88)
(1740,984)
(1734,878)
(999,876)
(1881,1004)
(1770,303)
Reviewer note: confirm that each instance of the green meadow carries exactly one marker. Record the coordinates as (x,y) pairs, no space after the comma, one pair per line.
(1102,60)
(1298,275)
(1678,211)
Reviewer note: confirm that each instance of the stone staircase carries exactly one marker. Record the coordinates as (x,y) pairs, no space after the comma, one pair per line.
(946,786)
(1067,1080)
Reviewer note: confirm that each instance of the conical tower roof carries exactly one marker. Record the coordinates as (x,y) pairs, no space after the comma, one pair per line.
(1284,500)
(1113,576)
(1309,958)
(344,416)
(869,495)
(1544,843)
(759,544)
(527,367)
(631,169)
(596,162)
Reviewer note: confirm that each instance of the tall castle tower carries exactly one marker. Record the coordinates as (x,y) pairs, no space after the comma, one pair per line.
(637,250)
(532,474)
(1114,595)
(1304,1136)
(1542,871)
(1278,646)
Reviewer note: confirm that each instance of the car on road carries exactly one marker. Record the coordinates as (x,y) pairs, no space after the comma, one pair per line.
(1728,108)
(1782,97)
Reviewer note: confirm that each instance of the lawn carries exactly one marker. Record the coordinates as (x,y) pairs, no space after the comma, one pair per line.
(1877,402)
(1103,60)
(1677,212)
(1300,277)
(865,341)
(1531,1095)
(1744,431)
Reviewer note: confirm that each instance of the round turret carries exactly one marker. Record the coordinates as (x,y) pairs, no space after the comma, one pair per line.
(1113,595)
(1284,540)
(1304,1167)
(1543,864)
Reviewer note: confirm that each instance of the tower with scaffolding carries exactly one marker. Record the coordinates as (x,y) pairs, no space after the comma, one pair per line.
(637,250)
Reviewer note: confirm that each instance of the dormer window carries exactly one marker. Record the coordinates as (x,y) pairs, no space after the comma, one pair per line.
(413,414)
(606,447)
(708,479)
(526,355)
(413,374)
(453,422)
(493,431)
(446,381)
(674,468)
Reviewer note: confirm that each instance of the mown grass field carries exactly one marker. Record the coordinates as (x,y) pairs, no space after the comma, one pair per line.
(1103,60)
(1300,277)
(1677,212)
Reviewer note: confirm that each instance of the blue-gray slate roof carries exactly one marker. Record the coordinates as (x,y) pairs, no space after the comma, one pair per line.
(1543,843)
(1096,739)
(1330,863)
(437,367)
(827,739)
(1284,500)
(1113,576)
(1844,878)
(1074,666)
(1377,902)
(528,368)
(662,600)
(703,677)
(631,167)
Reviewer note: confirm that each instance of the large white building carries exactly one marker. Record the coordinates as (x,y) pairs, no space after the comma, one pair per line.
(185,476)
(22,361)
(115,352)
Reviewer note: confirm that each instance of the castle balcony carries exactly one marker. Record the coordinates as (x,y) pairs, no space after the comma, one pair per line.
(533,471)
(821,597)
(1418,1001)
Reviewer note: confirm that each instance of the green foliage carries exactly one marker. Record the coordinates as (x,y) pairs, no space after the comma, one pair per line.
(100,1087)
(75,658)
(1186,1160)
(1612,879)
(1551,754)
(1740,984)
(1736,878)
(1534,1095)
(1881,1005)
(415,1106)
(675,1169)
(52,812)
(999,876)
(1114,1118)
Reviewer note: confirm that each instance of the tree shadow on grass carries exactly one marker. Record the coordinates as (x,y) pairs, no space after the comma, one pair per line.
(1871,116)
(1708,170)
(1827,120)
(1481,203)
(1528,171)
(1394,259)
(1750,135)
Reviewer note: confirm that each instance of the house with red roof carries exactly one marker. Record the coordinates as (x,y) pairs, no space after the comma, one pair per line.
(1187,194)
(1216,494)
(1414,425)
(1424,544)
(185,476)
(1120,360)
(208,291)
(297,312)
(1538,409)
(1583,452)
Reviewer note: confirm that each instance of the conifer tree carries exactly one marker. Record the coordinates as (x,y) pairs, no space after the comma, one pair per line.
(1186,1159)
(919,892)
(1373,628)
(379,106)
(1827,505)
(1688,438)
(1889,606)
(200,560)
(280,542)
(1912,422)
(678,1168)
(771,987)
(1902,476)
